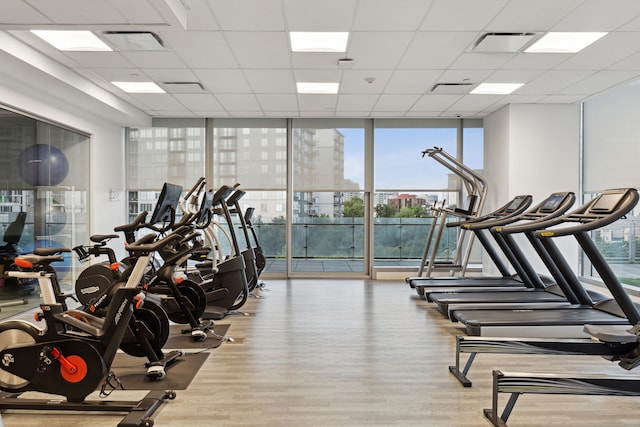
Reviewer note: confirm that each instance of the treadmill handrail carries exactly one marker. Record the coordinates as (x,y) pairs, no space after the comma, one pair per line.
(590,221)
(498,214)
(537,220)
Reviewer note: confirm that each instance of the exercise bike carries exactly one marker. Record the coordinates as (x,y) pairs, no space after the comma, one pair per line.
(149,326)
(72,355)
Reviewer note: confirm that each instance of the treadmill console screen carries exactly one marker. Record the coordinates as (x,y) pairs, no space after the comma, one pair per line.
(552,203)
(515,204)
(606,203)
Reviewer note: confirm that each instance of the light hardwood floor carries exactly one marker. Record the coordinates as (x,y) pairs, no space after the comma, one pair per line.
(355,353)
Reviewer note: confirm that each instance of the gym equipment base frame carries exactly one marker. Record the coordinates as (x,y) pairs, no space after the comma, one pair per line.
(582,347)
(521,383)
(139,412)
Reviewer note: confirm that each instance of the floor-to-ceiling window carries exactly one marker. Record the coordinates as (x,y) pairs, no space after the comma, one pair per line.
(253,154)
(329,199)
(610,160)
(408,184)
(310,183)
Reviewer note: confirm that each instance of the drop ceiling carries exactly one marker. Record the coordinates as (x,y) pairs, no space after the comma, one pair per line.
(232,58)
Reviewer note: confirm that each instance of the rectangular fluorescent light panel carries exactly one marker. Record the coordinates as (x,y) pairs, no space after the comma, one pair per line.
(318,88)
(73,40)
(139,87)
(318,41)
(556,42)
(495,88)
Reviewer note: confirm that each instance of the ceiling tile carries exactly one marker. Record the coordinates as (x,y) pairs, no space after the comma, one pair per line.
(598,15)
(171,74)
(378,50)
(395,102)
(79,12)
(223,81)
(199,101)
(475,102)
(536,61)
(608,50)
(200,49)
(159,101)
(19,12)
(199,16)
(317,103)
(446,15)
(412,81)
(483,61)
(356,102)
(271,81)
(121,74)
(316,60)
(313,15)
(154,59)
(100,59)
(599,81)
(527,15)
(238,102)
(364,81)
(260,49)
(273,102)
(435,102)
(385,15)
(436,49)
(248,15)
(552,82)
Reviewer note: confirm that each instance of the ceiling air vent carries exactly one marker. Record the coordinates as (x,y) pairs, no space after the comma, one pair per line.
(134,40)
(502,42)
(451,88)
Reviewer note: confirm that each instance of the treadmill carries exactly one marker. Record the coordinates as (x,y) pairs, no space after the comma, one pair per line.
(564,321)
(513,208)
(558,292)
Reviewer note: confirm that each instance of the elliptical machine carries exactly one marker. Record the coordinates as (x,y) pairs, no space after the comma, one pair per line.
(72,355)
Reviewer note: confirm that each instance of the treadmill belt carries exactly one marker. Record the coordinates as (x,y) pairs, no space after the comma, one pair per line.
(538,317)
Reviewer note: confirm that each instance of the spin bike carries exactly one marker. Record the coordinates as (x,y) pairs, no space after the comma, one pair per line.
(149,326)
(72,355)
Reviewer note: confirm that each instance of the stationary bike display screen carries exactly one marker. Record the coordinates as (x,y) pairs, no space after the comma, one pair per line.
(167,203)
(205,208)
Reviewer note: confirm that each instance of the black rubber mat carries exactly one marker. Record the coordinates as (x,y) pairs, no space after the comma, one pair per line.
(131,372)
(178,340)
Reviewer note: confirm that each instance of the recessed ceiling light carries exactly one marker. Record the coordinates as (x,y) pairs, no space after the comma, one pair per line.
(72,40)
(318,88)
(319,41)
(495,88)
(555,42)
(139,87)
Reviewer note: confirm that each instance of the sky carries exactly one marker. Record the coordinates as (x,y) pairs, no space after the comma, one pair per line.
(398,156)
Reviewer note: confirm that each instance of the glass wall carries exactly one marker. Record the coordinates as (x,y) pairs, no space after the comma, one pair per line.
(328,209)
(611,153)
(44,178)
(408,184)
(253,154)
(170,151)
(331,168)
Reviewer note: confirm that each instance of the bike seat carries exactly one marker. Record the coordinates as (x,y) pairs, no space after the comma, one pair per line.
(31,260)
(102,238)
(50,251)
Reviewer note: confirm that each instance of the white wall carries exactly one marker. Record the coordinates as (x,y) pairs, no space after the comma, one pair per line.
(533,149)
(28,90)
